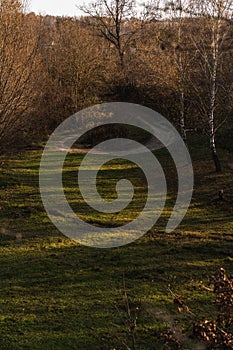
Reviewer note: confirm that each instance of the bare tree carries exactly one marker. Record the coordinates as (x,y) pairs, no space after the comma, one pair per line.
(73,65)
(19,42)
(177,12)
(212,45)
(110,20)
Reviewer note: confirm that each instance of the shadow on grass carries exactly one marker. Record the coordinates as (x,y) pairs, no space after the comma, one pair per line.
(54,291)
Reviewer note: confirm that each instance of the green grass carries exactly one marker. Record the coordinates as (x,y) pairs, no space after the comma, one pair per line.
(56,294)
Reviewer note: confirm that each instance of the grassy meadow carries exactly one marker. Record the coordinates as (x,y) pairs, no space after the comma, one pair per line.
(58,295)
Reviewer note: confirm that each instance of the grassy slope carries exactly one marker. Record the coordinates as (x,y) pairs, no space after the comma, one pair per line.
(56,294)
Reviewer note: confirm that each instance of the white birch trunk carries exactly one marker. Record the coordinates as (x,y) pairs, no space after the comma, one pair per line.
(213,92)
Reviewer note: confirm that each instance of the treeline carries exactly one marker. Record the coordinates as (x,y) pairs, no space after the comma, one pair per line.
(175,58)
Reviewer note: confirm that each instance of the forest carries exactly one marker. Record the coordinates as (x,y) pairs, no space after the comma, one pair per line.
(175,58)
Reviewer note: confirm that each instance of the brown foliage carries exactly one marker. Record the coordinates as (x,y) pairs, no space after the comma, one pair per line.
(218,334)
(19,61)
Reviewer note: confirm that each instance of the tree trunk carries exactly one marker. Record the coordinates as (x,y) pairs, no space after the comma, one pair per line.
(216,160)
(182,117)
(181,71)
(213,91)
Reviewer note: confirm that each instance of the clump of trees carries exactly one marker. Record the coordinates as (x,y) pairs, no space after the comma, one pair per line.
(173,56)
(19,65)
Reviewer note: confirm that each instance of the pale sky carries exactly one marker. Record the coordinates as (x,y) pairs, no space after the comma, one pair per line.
(55,7)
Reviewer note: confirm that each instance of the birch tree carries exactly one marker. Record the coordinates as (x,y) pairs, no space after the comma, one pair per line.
(212,45)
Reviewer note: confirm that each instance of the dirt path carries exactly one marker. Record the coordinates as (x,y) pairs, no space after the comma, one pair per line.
(152,144)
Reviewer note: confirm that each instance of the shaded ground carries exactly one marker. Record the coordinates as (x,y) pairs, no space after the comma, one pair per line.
(56,294)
